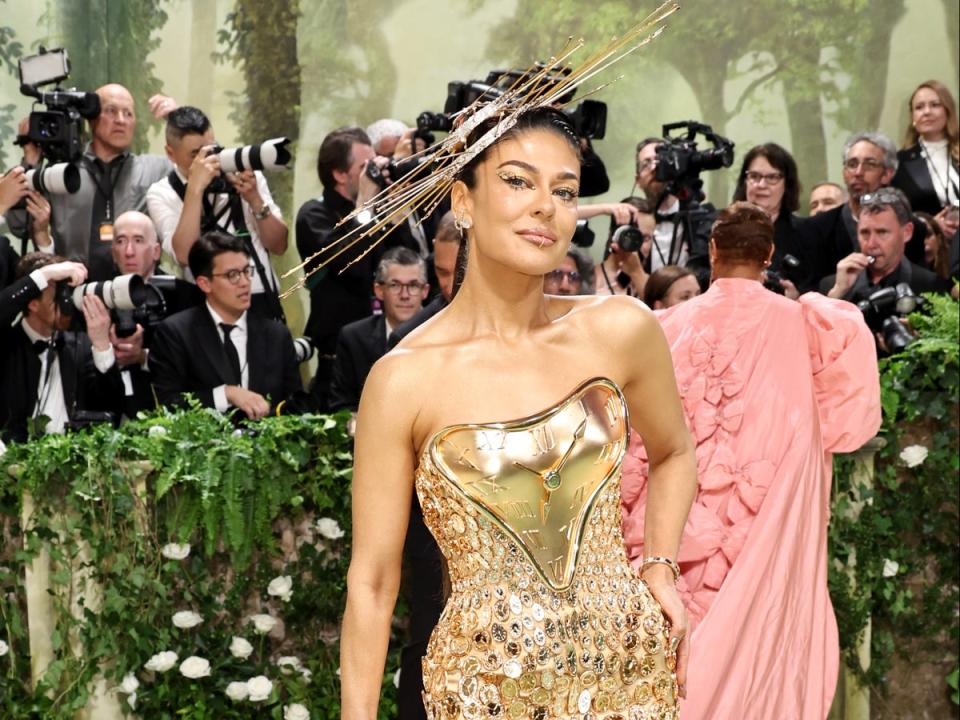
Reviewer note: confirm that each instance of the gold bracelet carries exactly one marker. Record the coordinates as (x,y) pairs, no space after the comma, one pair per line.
(659,560)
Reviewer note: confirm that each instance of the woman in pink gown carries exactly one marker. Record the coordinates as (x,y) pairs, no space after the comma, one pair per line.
(771,388)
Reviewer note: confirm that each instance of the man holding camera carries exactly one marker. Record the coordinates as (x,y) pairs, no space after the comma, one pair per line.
(112,181)
(884,227)
(340,293)
(671,245)
(46,372)
(224,355)
(197,197)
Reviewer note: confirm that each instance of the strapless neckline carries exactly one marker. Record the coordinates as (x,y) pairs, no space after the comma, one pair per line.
(429,445)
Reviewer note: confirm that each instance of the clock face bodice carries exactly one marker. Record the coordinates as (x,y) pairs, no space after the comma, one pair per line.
(544,604)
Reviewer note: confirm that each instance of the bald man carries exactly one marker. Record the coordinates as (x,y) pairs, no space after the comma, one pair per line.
(113,181)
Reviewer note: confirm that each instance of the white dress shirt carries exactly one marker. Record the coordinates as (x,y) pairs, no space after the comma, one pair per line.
(239,338)
(663,237)
(165,206)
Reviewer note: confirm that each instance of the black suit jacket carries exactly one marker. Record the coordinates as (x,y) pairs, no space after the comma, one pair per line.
(913,177)
(825,239)
(84,387)
(918,278)
(187,356)
(359,346)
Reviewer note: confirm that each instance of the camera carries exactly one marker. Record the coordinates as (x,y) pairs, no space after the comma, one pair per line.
(788,268)
(589,117)
(884,310)
(269,155)
(303,349)
(627,237)
(124,292)
(58,129)
(679,162)
(59,179)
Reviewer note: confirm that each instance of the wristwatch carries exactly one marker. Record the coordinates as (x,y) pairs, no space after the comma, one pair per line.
(264,212)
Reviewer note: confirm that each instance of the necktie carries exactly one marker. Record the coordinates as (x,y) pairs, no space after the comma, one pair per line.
(233,359)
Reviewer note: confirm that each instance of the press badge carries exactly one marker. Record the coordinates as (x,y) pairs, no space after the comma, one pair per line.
(106,231)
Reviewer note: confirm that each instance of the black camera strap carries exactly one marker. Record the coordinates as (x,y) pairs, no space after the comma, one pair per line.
(235,225)
(104,182)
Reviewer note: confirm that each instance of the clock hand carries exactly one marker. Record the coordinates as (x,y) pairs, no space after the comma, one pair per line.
(528,469)
(577,436)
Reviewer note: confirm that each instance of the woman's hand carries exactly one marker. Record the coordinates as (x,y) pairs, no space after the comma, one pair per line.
(948,220)
(659,580)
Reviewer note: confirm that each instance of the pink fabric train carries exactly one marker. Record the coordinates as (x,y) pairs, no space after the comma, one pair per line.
(771,388)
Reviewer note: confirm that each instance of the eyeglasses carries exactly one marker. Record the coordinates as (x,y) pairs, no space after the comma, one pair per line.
(233,276)
(755,178)
(867,164)
(396,287)
(646,164)
(556,276)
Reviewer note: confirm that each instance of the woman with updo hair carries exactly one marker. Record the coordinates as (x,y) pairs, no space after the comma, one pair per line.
(928,166)
(670,285)
(770,388)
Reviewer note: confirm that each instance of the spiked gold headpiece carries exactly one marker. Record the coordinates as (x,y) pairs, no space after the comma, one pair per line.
(425,187)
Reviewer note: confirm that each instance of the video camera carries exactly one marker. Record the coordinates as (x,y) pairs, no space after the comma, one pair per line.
(679,162)
(884,312)
(58,129)
(589,117)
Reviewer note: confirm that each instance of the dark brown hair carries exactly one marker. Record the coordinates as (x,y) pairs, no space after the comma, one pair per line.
(784,163)
(743,233)
(336,153)
(541,118)
(660,282)
(941,259)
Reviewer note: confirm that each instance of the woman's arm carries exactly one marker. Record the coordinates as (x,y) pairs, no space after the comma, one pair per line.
(383,468)
(656,414)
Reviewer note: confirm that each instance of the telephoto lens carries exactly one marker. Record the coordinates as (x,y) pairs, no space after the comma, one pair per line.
(59,179)
(122,293)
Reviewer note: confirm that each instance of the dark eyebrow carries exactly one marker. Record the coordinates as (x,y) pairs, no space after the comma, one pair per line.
(536,171)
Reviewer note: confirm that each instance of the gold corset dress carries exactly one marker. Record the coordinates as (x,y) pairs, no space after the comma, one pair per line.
(546,618)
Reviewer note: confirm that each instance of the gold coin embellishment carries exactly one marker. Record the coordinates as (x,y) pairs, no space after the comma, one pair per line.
(583,701)
(509,689)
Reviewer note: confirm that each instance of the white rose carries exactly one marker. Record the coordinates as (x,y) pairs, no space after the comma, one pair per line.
(281,587)
(240,647)
(161,662)
(157,431)
(173,551)
(132,701)
(296,711)
(186,619)
(4,648)
(237,691)
(329,528)
(890,567)
(263,623)
(259,688)
(289,664)
(307,675)
(129,684)
(396,679)
(195,667)
(914,455)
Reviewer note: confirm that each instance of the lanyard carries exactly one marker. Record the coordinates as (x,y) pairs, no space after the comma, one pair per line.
(105,189)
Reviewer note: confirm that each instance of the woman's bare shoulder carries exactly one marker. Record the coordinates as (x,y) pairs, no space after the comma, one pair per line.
(613,316)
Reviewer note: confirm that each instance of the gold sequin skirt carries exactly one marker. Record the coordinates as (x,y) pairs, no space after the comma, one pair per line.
(598,651)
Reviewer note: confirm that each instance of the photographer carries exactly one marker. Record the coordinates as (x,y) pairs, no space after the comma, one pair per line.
(136,250)
(671,245)
(46,372)
(622,270)
(197,197)
(341,293)
(112,181)
(885,226)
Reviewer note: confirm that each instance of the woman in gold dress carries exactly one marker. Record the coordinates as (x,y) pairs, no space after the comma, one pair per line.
(545,618)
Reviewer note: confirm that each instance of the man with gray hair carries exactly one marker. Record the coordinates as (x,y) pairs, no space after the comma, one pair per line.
(869,163)
(400,284)
(884,228)
(385,135)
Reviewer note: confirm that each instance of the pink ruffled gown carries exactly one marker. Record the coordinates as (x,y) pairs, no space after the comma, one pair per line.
(771,387)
